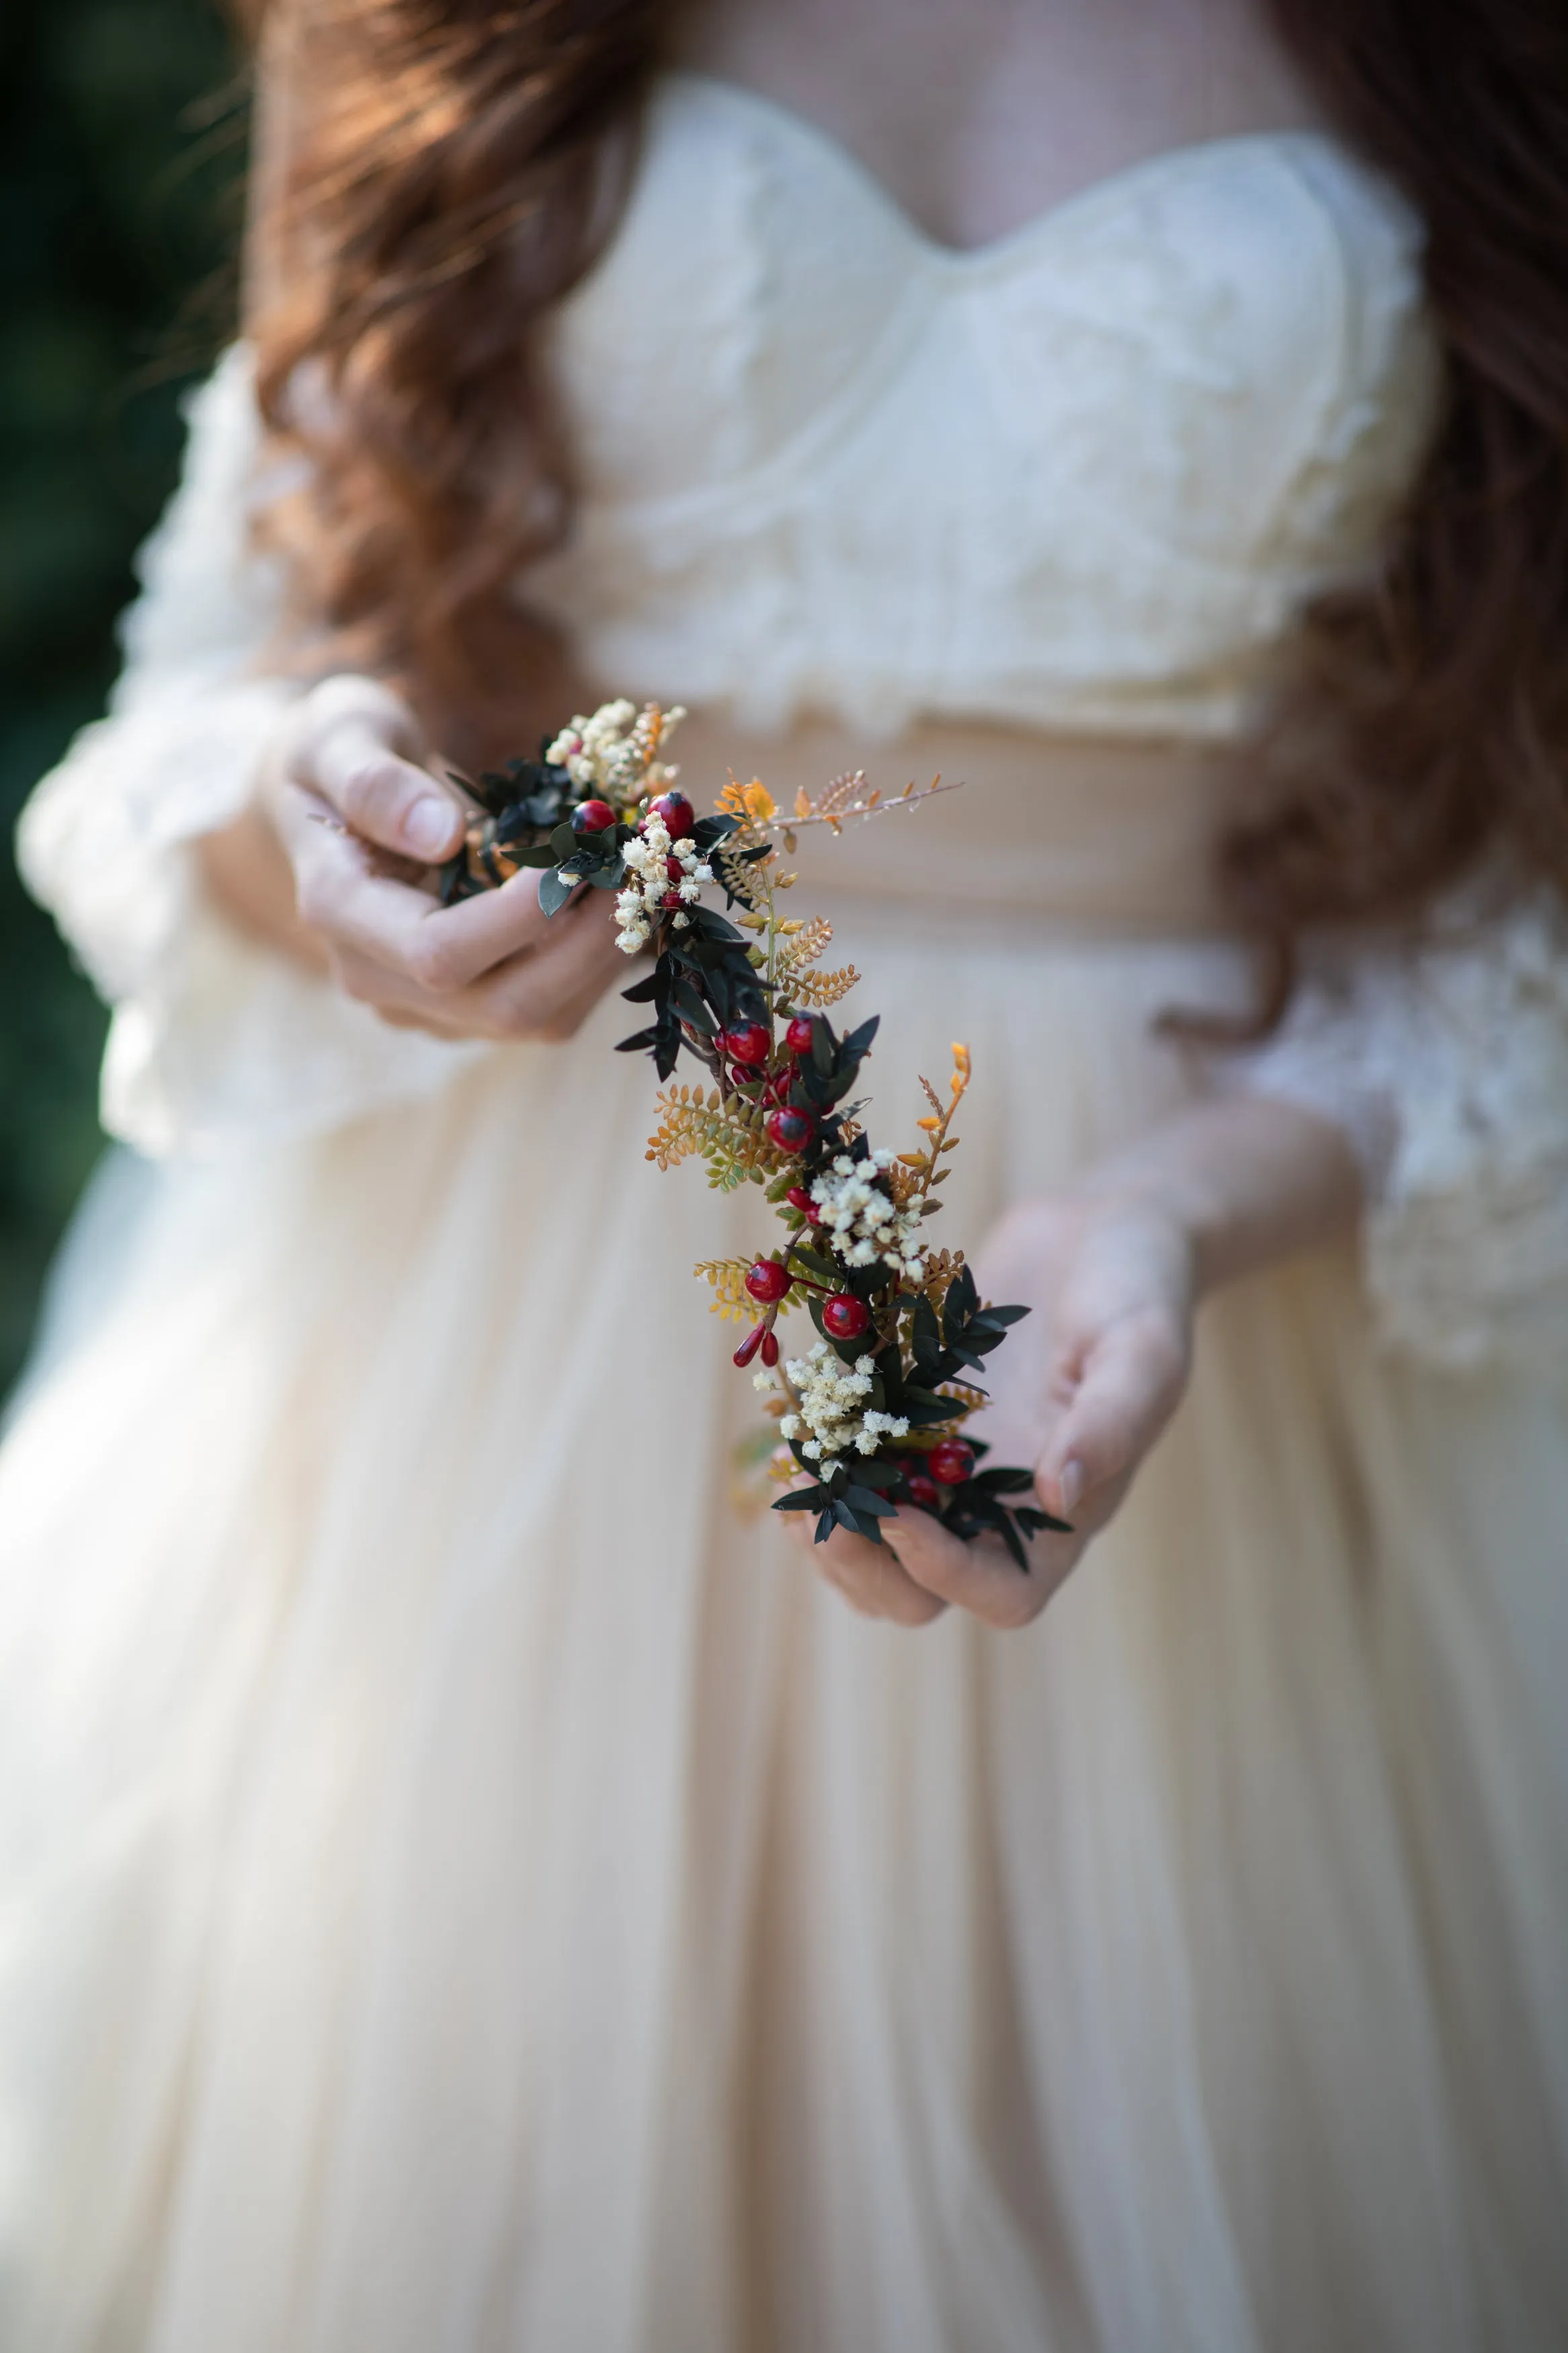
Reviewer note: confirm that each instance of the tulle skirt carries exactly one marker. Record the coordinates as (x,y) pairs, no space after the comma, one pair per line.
(466,1887)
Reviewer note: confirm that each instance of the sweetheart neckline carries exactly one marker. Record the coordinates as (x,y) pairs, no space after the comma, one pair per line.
(1077,205)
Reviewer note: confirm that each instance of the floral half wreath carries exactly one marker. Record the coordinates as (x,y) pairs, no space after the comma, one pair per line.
(874,1413)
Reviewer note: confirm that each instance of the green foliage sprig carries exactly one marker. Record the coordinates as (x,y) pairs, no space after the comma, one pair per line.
(872,1415)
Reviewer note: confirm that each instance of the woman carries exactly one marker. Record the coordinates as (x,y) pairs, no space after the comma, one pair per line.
(466,1887)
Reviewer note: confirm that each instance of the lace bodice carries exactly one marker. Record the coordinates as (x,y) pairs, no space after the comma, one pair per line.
(1079,478)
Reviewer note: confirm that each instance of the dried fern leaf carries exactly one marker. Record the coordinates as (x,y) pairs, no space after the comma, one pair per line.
(823,989)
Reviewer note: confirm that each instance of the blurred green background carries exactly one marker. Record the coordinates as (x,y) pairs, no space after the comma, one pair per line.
(120,156)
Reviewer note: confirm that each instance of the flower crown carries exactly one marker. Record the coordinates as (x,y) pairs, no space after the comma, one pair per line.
(873,1413)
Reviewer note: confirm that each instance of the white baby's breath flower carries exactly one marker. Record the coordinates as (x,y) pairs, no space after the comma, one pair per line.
(858,1220)
(832,1406)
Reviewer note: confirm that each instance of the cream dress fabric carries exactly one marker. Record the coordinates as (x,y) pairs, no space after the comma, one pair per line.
(463,1889)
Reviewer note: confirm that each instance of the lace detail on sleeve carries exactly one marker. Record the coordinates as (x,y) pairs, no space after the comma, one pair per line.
(1446,1064)
(216,1040)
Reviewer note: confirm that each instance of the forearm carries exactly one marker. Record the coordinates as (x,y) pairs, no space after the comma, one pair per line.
(1245,1180)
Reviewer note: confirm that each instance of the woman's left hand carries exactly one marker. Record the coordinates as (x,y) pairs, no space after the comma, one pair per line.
(1079,1393)
(1112,1268)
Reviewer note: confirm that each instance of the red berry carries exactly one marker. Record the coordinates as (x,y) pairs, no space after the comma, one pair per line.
(922,1491)
(792,1131)
(779,1086)
(770,1349)
(951,1462)
(674,869)
(750,1043)
(750,1343)
(799,1198)
(844,1317)
(593,817)
(767,1280)
(797,1036)
(677,813)
(671,900)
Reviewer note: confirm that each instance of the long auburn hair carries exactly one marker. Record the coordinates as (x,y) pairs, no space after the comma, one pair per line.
(452,169)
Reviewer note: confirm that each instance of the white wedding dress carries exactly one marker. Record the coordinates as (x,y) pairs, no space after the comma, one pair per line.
(463,1888)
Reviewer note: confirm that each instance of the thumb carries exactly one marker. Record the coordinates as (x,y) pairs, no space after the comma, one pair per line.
(363,755)
(1127,1389)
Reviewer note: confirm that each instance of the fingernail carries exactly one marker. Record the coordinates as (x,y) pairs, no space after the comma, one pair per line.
(1070,1482)
(427,828)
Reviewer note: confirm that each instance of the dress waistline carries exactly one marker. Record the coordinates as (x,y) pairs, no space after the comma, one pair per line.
(1082,831)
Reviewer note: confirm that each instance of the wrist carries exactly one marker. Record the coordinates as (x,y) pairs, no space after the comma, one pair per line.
(1112,1215)
(1182,1215)
(1242,1182)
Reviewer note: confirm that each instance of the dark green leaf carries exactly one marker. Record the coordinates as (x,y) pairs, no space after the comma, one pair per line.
(1029,1516)
(880,1475)
(813,1261)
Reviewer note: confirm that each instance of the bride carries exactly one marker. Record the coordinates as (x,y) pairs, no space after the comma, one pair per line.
(464,1884)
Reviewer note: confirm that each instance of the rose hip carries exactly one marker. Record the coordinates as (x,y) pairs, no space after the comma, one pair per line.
(767,1280)
(951,1462)
(792,1131)
(750,1043)
(677,813)
(844,1317)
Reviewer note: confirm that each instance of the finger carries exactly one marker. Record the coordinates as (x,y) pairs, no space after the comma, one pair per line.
(340,893)
(549,990)
(980,1576)
(1126,1391)
(384,796)
(405,1003)
(541,993)
(869,1578)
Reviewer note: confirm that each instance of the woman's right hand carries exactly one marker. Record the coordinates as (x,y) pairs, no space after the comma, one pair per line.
(363,819)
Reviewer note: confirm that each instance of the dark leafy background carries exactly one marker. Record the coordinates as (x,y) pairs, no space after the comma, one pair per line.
(120,153)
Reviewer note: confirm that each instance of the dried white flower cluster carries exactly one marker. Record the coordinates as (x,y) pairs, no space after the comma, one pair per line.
(664,873)
(830,1392)
(859,1222)
(608,753)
